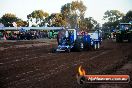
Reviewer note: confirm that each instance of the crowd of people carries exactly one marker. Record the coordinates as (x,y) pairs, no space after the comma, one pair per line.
(28,35)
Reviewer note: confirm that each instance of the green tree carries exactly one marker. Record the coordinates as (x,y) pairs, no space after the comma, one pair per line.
(112,18)
(78,8)
(88,24)
(112,15)
(73,12)
(128,17)
(22,23)
(8,18)
(65,10)
(56,20)
(37,15)
(111,24)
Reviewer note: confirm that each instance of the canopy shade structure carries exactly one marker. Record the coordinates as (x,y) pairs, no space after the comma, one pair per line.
(31,28)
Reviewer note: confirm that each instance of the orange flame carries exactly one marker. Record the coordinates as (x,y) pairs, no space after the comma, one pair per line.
(81,71)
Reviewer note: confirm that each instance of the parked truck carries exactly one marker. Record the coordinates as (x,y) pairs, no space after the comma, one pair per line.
(71,40)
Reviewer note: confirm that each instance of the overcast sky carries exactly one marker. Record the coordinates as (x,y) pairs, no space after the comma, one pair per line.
(95,8)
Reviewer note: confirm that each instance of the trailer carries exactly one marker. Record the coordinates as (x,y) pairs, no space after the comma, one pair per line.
(71,40)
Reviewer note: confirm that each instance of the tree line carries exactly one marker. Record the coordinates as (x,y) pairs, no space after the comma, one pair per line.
(114,17)
(71,15)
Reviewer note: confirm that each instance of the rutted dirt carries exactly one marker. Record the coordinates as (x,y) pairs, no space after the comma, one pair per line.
(36,67)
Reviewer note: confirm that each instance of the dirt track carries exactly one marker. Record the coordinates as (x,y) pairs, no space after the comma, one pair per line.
(36,67)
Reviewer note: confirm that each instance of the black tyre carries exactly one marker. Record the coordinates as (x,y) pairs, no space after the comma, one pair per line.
(53,50)
(130,37)
(98,45)
(118,38)
(68,50)
(77,46)
(95,46)
(86,46)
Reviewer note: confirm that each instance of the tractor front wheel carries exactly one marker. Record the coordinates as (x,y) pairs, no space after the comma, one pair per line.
(68,50)
(53,50)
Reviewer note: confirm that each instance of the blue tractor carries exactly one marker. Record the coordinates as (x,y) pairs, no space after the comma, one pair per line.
(70,40)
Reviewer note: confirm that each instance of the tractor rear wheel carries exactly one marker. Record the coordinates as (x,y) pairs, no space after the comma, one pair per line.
(86,46)
(118,38)
(78,46)
(95,46)
(130,37)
